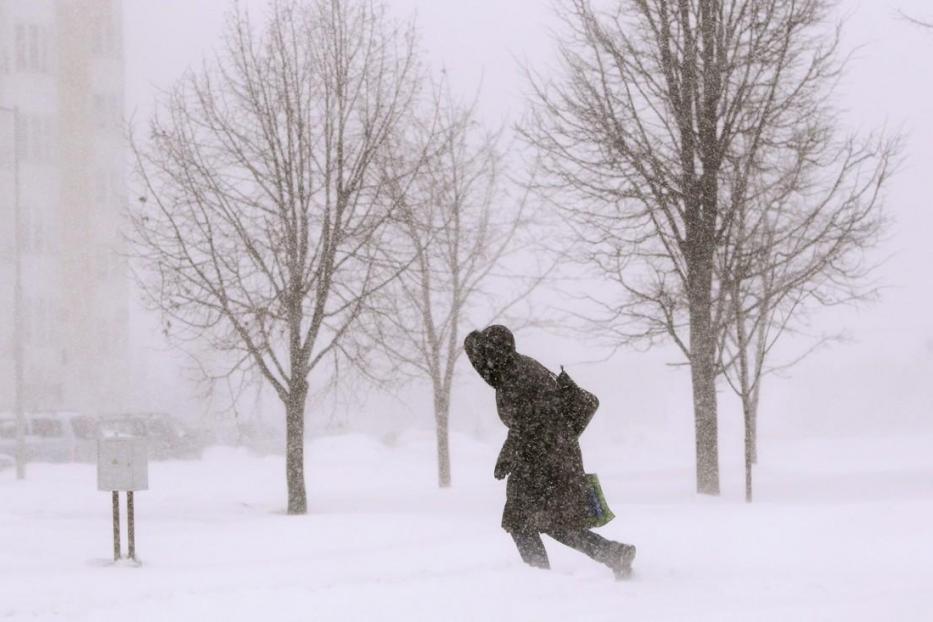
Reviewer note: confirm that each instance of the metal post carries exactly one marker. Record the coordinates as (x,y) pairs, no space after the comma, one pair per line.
(18,308)
(17,305)
(130,526)
(116,525)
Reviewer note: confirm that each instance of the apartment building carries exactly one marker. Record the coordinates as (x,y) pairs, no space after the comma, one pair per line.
(61,69)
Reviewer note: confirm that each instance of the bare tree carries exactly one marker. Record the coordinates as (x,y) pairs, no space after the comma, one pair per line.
(798,242)
(262,228)
(463,223)
(665,112)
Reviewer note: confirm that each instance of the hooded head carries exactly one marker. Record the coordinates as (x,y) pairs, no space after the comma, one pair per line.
(498,345)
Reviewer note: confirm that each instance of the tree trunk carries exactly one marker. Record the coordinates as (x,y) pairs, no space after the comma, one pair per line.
(707,432)
(746,392)
(760,353)
(295,449)
(749,447)
(703,376)
(753,423)
(442,420)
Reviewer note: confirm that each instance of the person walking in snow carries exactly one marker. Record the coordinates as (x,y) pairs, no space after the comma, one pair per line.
(546,491)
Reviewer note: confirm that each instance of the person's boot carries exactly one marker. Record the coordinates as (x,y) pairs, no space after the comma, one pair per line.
(622,563)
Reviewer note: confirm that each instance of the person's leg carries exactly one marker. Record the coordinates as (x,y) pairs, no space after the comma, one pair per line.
(531,548)
(587,542)
(616,555)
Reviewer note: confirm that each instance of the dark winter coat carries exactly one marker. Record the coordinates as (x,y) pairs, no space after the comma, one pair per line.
(546,489)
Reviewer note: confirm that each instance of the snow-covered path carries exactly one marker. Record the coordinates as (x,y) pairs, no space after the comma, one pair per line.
(841,532)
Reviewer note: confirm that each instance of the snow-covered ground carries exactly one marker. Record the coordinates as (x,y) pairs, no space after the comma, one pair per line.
(840,530)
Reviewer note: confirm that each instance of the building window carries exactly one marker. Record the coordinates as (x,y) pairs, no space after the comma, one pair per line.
(24,224)
(20,47)
(44,50)
(22,137)
(46,140)
(37,236)
(33,47)
(35,139)
(38,334)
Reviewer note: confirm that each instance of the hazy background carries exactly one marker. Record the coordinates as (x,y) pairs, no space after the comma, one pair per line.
(878,382)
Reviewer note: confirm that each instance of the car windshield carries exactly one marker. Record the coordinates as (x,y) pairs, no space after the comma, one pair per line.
(47,428)
(124,427)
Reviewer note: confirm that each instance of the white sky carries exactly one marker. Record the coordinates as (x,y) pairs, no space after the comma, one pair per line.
(883,375)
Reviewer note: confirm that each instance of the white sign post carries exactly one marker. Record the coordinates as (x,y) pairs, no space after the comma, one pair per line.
(122,464)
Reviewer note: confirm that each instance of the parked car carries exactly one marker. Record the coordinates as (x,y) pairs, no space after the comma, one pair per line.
(49,436)
(71,436)
(167,437)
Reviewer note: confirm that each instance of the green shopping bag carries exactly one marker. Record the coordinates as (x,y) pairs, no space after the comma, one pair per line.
(598,512)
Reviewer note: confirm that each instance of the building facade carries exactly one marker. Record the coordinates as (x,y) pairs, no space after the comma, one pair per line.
(61,68)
